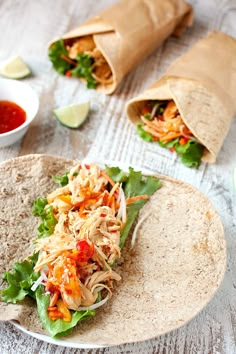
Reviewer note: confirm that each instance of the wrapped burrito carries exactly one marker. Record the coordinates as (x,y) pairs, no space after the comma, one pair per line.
(105,48)
(189,109)
(175,266)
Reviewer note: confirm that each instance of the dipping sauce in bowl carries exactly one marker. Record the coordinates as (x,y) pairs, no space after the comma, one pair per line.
(12,116)
(19,106)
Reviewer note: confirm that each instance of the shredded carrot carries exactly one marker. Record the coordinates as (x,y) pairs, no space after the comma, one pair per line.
(52,308)
(54,299)
(138,197)
(108,178)
(70,61)
(168,126)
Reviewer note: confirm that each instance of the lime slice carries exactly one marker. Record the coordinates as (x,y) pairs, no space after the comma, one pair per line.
(14,68)
(73,116)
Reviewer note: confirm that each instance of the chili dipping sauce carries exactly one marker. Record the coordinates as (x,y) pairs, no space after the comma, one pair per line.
(12,116)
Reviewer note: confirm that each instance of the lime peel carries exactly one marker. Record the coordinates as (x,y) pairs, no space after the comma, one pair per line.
(14,68)
(73,116)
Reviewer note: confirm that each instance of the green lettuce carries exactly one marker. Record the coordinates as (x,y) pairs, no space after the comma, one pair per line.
(49,221)
(20,280)
(190,153)
(144,135)
(62,180)
(57,328)
(133,184)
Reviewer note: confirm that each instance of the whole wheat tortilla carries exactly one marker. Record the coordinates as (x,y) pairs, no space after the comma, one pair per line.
(202,82)
(175,268)
(129,31)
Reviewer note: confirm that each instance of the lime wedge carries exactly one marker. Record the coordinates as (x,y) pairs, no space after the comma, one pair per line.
(14,68)
(73,116)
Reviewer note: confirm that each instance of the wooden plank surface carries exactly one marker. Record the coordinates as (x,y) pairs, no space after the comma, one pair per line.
(26,28)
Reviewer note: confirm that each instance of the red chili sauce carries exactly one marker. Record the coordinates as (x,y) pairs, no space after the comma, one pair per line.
(11,116)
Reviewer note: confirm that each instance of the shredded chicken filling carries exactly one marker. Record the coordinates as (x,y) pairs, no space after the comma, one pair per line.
(165,125)
(78,256)
(101,71)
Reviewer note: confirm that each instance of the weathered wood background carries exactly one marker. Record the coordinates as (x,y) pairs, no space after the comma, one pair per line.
(26,27)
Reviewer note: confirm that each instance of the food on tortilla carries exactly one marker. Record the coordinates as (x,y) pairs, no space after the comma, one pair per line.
(105,48)
(173,271)
(190,108)
(84,225)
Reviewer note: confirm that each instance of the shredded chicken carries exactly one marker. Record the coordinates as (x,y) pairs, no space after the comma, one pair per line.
(101,71)
(78,256)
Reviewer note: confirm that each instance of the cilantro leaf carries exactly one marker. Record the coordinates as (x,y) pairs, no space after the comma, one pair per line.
(20,280)
(57,328)
(55,51)
(144,135)
(62,180)
(134,184)
(84,69)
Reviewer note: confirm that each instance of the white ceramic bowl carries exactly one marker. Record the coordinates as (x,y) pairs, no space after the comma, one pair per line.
(23,95)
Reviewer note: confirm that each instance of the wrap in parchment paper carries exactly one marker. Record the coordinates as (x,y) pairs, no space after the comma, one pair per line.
(172,272)
(202,83)
(129,31)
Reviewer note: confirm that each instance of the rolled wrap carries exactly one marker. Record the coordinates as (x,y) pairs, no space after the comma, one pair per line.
(202,83)
(129,31)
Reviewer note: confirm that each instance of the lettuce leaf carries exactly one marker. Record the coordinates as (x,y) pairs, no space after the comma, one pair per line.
(144,135)
(133,184)
(190,153)
(49,221)
(20,280)
(62,180)
(59,327)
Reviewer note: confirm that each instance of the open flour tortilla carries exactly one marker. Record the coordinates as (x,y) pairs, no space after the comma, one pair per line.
(173,271)
(129,31)
(202,82)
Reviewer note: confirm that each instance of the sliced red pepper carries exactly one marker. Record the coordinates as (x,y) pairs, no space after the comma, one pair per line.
(145,110)
(85,251)
(183,141)
(68,73)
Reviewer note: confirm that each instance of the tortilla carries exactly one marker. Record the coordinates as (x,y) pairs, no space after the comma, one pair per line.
(173,271)
(129,31)
(202,82)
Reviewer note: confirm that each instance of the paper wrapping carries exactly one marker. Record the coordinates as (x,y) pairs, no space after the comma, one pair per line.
(202,83)
(129,31)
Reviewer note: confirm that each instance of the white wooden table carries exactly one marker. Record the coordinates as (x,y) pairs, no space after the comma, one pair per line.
(26,27)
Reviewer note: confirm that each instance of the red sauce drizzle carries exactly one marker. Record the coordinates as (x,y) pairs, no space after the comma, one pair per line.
(11,116)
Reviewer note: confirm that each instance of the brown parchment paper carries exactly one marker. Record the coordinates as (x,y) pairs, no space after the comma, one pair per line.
(175,268)
(129,31)
(202,83)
